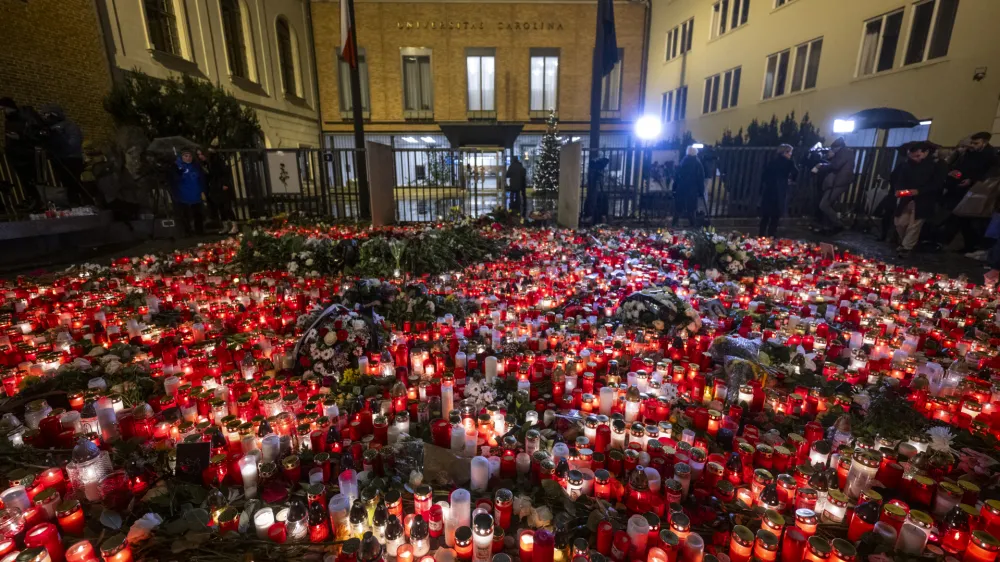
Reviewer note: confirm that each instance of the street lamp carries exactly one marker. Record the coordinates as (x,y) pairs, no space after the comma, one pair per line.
(648,128)
(843,126)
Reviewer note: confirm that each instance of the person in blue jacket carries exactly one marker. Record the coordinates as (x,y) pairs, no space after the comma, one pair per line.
(189,190)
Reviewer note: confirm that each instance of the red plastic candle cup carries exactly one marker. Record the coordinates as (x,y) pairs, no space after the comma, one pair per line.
(46,535)
(793,545)
(82,551)
(70,516)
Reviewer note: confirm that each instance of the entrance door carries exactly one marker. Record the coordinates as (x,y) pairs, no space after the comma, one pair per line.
(483,172)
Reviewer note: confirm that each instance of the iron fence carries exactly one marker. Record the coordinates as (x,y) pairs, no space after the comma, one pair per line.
(432,183)
(630,190)
(320,182)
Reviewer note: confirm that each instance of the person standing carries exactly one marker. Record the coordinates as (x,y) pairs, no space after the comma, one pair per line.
(220,189)
(689,185)
(917,183)
(970,165)
(517,184)
(189,190)
(65,147)
(838,174)
(23,131)
(778,174)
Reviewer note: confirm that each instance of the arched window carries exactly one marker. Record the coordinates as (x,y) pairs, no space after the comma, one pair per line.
(161,21)
(288,58)
(238,36)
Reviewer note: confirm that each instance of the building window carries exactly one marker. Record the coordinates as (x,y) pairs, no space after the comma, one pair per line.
(480,71)
(727,15)
(674,105)
(288,58)
(804,69)
(679,39)
(344,75)
(544,95)
(418,88)
(722,91)
(879,43)
(930,30)
(238,35)
(161,20)
(611,89)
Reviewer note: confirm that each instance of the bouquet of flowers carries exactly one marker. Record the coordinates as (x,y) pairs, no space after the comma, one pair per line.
(710,250)
(660,309)
(333,341)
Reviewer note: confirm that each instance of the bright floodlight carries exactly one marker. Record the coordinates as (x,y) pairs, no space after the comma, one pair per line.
(698,145)
(648,128)
(842,126)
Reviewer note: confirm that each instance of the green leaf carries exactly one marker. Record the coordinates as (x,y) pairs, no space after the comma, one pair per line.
(111,519)
(199,517)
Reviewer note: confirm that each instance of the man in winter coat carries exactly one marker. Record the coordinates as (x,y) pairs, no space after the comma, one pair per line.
(917,183)
(189,189)
(837,174)
(65,147)
(221,195)
(517,184)
(689,184)
(23,131)
(778,173)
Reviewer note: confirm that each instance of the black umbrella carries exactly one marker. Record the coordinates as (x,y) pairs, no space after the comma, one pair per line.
(884,118)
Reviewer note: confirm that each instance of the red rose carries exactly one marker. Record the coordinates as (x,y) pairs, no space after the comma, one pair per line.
(323,332)
(338,324)
(341,335)
(304,362)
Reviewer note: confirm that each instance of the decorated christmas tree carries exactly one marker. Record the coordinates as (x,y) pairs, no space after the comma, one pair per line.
(546,175)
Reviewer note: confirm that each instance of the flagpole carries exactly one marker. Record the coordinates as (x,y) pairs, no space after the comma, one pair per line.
(596,78)
(361,160)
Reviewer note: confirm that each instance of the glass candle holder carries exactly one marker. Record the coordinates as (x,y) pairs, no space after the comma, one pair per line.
(741,544)
(86,474)
(983,547)
(766,546)
(817,550)
(914,533)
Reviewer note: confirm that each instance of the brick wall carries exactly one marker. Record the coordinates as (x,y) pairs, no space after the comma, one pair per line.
(380,35)
(53,53)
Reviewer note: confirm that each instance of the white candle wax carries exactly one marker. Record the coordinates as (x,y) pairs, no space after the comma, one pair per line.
(490,368)
(457,439)
(523,463)
(607,400)
(447,398)
(460,360)
(262,520)
(461,507)
(480,473)
(270,447)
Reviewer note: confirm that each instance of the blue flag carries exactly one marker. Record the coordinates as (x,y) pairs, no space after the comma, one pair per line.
(606,40)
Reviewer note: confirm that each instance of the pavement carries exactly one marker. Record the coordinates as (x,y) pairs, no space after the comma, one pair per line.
(943,262)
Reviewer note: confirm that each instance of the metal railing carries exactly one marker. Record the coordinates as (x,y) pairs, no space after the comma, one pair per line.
(434,183)
(321,182)
(732,186)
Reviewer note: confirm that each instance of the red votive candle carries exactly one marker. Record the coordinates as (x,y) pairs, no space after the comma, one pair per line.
(544,547)
(46,535)
(70,516)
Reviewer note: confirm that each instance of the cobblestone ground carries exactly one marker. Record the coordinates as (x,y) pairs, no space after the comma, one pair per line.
(944,262)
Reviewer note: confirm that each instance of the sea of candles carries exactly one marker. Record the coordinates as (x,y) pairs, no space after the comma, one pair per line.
(658,424)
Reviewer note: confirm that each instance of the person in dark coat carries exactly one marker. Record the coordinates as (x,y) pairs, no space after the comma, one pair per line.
(23,132)
(689,184)
(189,190)
(917,183)
(65,148)
(221,194)
(597,199)
(970,165)
(778,173)
(837,174)
(517,184)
